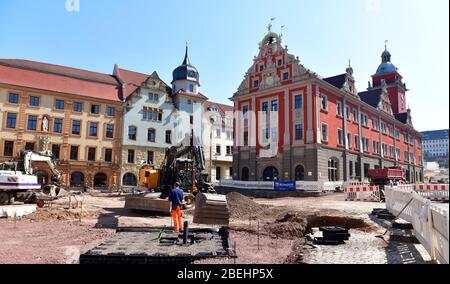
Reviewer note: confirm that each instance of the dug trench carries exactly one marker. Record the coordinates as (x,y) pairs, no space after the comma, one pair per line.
(280,225)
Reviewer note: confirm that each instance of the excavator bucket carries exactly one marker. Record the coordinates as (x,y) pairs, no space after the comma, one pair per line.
(211,209)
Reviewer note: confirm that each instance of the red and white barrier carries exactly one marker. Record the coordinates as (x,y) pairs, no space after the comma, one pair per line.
(362,193)
(435,192)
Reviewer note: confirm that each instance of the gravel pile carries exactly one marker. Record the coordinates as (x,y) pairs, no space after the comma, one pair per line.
(243,207)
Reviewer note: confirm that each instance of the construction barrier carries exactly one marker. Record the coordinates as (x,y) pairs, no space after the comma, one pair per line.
(362,193)
(305,186)
(430,222)
(434,192)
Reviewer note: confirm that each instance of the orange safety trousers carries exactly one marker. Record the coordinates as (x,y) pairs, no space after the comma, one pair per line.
(177,216)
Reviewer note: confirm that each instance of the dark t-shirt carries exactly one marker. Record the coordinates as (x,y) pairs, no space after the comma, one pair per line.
(176,197)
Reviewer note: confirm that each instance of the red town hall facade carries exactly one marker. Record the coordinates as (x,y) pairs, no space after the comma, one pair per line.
(293,124)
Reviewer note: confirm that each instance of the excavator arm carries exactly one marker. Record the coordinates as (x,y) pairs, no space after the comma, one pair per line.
(29,157)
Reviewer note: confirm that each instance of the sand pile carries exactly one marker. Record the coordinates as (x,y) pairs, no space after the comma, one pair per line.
(64,215)
(242,207)
(290,226)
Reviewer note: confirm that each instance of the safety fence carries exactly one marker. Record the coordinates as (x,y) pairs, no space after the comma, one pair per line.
(305,186)
(363,193)
(431,223)
(434,192)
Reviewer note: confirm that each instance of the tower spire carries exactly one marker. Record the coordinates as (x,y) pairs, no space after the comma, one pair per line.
(186,60)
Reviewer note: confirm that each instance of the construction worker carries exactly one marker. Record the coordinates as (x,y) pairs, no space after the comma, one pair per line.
(176,196)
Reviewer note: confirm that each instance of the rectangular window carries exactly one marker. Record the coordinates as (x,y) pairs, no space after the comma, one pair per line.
(299,102)
(229,150)
(375,125)
(397,134)
(366,170)
(191,120)
(376,147)
(130,156)
(325,132)
(169,137)
(355,116)
(357,142)
(299,132)
(32,122)
(74,153)
(385,150)
(151,135)
(8,149)
(256,84)
(13,98)
(286,76)
(91,154)
(229,134)
(349,140)
(274,134)
(108,155)
(265,106)
(340,137)
(56,151)
(339,109)
(34,101)
(347,112)
(366,144)
(59,104)
(218,150)
(364,120)
(150,157)
(29,146)
(77,107)
(111,111)
(57,125)
(218,133)
(244,110)
(324,103)
(351,169)
(261,68)
(95,109)
(275,105)
(11,119)
(280,62)
(76,127)
(245,138)
(110,131)
(93,129)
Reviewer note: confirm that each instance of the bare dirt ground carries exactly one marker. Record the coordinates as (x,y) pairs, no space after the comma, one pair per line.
(59,235)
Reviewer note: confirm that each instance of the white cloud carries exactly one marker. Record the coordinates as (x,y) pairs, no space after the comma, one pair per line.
(373,5)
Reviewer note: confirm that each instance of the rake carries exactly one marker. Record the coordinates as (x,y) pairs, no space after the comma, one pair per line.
(393,221)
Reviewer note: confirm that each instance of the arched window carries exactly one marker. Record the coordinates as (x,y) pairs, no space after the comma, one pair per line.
(132,133)
(129,179)
(300,173)
(77,179)
(245,174)
(270,174)
(100,180)
(151,135)
(333,169)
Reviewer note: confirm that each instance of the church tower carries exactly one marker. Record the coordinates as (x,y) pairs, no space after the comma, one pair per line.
(387,75)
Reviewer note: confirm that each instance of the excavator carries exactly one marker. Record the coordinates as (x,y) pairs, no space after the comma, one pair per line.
(19,181)
(185,165)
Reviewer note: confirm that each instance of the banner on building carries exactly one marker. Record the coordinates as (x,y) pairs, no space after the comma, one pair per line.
(285,186)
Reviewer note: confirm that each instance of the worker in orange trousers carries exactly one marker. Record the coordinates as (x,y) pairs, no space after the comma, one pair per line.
(176,197)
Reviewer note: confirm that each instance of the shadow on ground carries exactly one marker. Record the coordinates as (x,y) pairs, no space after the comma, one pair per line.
(399,252)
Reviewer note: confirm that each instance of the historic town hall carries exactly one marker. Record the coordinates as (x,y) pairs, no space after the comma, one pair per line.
(296,125)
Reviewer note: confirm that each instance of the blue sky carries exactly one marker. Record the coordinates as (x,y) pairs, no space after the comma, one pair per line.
(148,35)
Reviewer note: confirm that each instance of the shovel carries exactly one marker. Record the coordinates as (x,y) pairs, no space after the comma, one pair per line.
(395,219)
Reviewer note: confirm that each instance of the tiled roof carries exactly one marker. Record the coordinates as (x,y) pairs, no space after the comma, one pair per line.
(131,80)
(199,95)
(221,108)
(59,79)
(337,81)
(59,70)
(371,97)
(402,117)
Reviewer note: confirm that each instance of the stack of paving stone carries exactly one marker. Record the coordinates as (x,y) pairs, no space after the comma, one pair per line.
(211,209)
(332,236)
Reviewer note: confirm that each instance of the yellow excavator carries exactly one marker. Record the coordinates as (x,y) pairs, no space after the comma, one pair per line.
(185,165)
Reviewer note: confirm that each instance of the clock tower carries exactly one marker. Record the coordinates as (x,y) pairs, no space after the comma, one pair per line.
(186,77)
